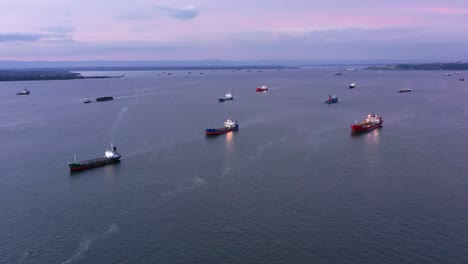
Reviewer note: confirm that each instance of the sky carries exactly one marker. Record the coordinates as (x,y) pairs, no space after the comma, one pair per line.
(314,30)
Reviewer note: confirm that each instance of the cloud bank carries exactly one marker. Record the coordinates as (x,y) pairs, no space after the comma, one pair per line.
(186,13)
(234,30)
(23,37)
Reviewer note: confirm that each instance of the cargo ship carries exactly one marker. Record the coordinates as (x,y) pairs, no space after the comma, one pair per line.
(262,88)
(229,125)
(110,156)
(405,91)
(332,99)
(352,86)
(24,92)
(105,98)
(227,97)
(370,123)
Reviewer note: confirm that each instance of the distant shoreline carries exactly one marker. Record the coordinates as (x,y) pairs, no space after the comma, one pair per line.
(454,66)
(45,75)
(73,73)
(180,68)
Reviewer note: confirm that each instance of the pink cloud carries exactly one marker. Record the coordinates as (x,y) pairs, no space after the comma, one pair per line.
(444,10)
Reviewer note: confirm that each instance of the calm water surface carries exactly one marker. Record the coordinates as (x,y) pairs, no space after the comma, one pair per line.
(291,186)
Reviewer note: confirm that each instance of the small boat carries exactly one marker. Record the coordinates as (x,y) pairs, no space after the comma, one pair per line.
(110,156)
(24,92)
(262,88)
(448,74)
(338,73)
(87,101)
(105,98)
(404,91)
(227,97)
(370,123)
(461,79)
(352,86)
(332,99)
(229,125)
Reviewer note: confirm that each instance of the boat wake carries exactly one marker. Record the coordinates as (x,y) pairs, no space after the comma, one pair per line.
(256,121)
(113,227)
(226,171)
(147,89)
(261,150)
(136,96)
(10,114)
(84,246)
(127,211)
(24,257)
(148,148)
(118,120)
(437,132)
(87,241)
(194,183)
(22,123)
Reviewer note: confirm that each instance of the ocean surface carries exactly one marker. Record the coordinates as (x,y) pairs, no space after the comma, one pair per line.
(291,186)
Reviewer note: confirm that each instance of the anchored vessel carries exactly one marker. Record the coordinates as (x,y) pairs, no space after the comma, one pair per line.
(370,123)
(352,86)
(229,125)
(262,88)
(110,156)
(405,91)
(332,99)
(24,92)
(227,97)
(105,98)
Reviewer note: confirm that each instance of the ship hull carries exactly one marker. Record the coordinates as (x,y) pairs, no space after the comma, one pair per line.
(23,93)
(405,91)
(225,99)
(74,167)
(365,128)
(332,101)
(260,90)
(219,131)
(106,98)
